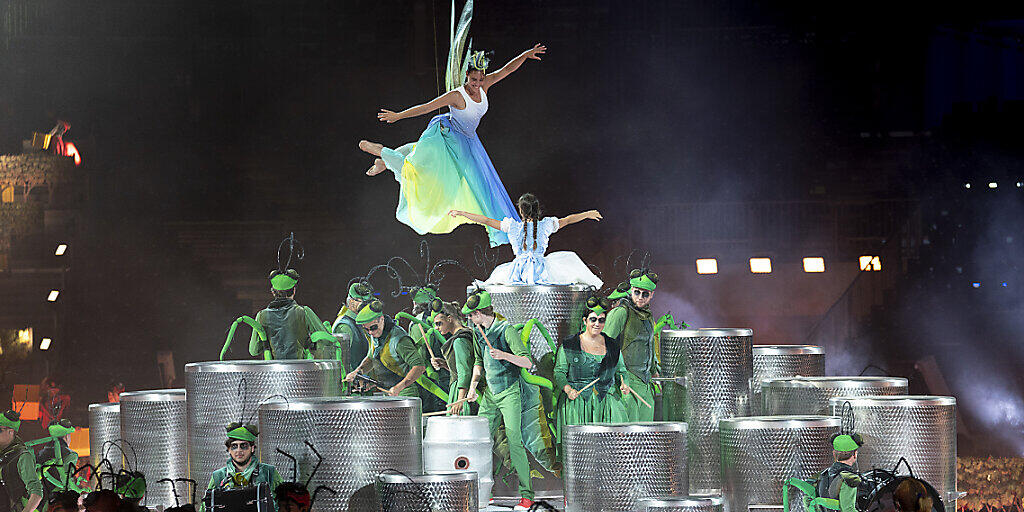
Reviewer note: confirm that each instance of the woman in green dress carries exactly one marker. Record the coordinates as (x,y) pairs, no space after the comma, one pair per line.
(579,361)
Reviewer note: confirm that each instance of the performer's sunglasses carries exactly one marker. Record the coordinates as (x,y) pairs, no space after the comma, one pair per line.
(643,294)
(596,320)
(371,328)
(239,446)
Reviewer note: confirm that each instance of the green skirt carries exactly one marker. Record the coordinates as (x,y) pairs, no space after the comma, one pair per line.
(588,408)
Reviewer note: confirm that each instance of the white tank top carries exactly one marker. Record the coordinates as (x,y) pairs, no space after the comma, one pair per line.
(468,118)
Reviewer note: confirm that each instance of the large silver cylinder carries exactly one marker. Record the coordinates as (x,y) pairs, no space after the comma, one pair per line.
(608,467)
(460,443)
(717,368)
(558,307)
(153,424)
(358,437)
(920,428)
(810,395)
(104,427)
(685,504)
(778,361)
(759,453)
(450,492)
(220,392)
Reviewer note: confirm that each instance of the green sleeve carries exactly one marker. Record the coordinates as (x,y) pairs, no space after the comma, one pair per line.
(409,352)
(620,369)
(656,354)
(213,480)
(561,370)
(313,322)
(275,478)
(431,373)
(847,498)
(464,361)
(614,322)
(478,353)
(254,340)
(27,472)
(515,342)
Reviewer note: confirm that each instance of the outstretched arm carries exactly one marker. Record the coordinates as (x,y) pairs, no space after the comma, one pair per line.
(475,217)
(533,53)
(445,100)
(576,217)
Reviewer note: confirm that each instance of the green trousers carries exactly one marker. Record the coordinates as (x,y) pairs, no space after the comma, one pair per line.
(635,410)
(506,408)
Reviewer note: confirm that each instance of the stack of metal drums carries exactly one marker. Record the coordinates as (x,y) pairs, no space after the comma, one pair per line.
(460,444)
(220,392)
(686,504)
(778,361)
(104,428)
(558,307)
(449,492)
(716,366)
(153,425)
(920,428)
(358,437)
(759,453)
(608,467)
(810,395)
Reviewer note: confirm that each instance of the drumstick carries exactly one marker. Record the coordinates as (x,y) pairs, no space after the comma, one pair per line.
(642,400)
(459,401)
(426,340)
(482,333)
(588,385)
(435,413)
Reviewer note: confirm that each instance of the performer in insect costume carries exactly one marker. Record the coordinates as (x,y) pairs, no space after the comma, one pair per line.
(243,469)
(632,326)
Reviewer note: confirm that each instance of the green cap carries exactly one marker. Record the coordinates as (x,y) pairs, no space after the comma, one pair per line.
(360,291)
(477,301)
(242,432)
(646,281)
(598,305)
(620,292)
(10,419)
(370,312)
(424,294)
(284,280)
(60,429)
(844,443)
(135,488)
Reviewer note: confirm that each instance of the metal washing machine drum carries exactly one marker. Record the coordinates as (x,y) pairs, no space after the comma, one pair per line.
(220,392)
(810,395)
(441,492)
(920,428)
(777,361)
(558,307)
(358,437)
(759,453)
(608,467)
(153,424)
(104,426)
(685,504)
(460,444)
(717,367)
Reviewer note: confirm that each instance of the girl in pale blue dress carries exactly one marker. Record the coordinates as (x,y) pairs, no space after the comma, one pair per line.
(529,240)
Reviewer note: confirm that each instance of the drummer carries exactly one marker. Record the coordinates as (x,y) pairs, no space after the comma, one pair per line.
(393,362)
(456,355)
(421,299)
(242,469)
(359,294)
(631,324)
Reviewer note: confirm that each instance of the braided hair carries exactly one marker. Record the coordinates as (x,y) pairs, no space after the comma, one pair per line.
(529,208)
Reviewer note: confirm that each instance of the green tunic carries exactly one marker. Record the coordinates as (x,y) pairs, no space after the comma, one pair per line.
(228,477)
(633,329)
(18,474)
(288,326)
(394,357)
(458,353)
(359,345)
(442,377)
(599,403)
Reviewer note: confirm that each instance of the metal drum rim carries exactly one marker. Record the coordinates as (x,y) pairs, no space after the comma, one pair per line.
(154,395)
(688,501)
(820,381)
(636,426)
(785,350)
(709,332)
(104,405)
(343,403)
(528,288)
(779,422)
(275,366)
(882,400)
(454,476)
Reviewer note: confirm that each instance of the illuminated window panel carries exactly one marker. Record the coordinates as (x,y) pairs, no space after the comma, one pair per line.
(52,297)
(707,266)
(870,263)
(44,344)
(814,264)
(61,249)
(761,265)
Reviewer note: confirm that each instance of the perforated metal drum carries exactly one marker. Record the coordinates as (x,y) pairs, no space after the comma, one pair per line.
(153,424)
(717,367)
(220,392)
(460,444)
(104,426)
(810,395)
(558,307)
(778,361)
(684,504)
(608,467)
(450,492)
(759,453)
(920,428)
(358,437)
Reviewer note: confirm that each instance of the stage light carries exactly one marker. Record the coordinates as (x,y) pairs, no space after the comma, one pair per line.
(707,266)
(1020,184)
(44,344)
(53,295)
(870,263)
(761,265)
(814,264)
(975,285)
(967,185)
(61,249)
(993,184)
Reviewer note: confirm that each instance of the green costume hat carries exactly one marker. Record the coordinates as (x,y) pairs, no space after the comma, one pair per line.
(284,280)
(61,428)
(424,294)
(360,291)
(620,292)
(370,312)
(598,305)
(134,486)
(242,432)
(643,280)
(846,443)
(10,419)
(477,301)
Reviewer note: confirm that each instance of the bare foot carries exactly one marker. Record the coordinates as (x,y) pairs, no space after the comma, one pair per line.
(378,167)
(372,148)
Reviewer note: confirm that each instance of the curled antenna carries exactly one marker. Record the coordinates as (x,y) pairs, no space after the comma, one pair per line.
(295,464)
(317,491)
(398,276)
(391,272)
(436,269)
(903,461)
(628,259)
(485,257)
(295,249)
(319,461)
(262,403)
(118,443)
(242,390)
(848,423)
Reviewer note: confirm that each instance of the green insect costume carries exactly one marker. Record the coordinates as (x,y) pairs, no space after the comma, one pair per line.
(600,403)
(393,354)
(232,477)
(57,460)
(291,329)
(18,477)
(345,325)
(422,298)
(458,352)
(509,401)
(633,330)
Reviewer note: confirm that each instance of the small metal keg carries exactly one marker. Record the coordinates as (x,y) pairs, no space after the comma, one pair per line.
(683,504)
(438,492)
(461,444)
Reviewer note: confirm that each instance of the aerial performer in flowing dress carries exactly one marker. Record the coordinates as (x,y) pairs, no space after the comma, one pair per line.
(448,168)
